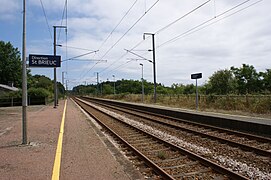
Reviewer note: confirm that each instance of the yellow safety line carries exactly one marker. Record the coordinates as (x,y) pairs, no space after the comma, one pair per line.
(56,170)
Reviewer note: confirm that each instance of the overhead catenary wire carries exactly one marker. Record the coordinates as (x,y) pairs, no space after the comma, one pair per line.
(81,77)
(129,29)
(81,55)
(175,21)
(46,19)
(63,14)
(118,67)
(170,24)
(73,47)
(110,34)
(196,30)
(202,24)
(125,34)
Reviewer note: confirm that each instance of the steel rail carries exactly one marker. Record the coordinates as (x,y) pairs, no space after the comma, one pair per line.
(232,143)
(194,156)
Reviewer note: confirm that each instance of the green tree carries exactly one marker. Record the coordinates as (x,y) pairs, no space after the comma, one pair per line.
(107,89)
(266,80)
(177,88)
(221,82)
(38,92)
(129,86)
(61,89)
(161,89)
(247,79)
(189,89)
(10,64)
(41,81)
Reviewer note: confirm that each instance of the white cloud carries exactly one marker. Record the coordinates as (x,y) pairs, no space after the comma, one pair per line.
(242,38)
(9,9)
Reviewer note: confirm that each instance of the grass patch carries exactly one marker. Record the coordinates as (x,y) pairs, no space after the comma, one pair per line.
(161,155)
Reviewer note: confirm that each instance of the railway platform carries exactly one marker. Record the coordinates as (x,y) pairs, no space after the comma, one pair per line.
(83,151)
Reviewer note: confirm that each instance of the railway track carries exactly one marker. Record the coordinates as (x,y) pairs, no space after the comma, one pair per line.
(248,142)
(256,159)
(166,159)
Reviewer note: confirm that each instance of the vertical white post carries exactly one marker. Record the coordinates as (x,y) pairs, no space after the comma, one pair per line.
(197,101)
(24,78)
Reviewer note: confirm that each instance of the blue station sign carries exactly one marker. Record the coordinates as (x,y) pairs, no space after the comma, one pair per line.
(44,60)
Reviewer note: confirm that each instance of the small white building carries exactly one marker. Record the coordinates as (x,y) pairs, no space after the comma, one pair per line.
(5,88)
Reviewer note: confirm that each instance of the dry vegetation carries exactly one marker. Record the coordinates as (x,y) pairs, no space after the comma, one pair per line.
(252,105)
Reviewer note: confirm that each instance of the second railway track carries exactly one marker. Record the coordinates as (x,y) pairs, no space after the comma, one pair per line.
(248,163)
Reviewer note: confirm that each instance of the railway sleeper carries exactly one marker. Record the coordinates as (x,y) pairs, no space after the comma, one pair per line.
(140,143)
(133,158)
(138,139)
(186,171)
(167,154)
(145,169)
(143,143)
(141,139)
(124,148)
(160,150)
(265,145)
(193,175)
(133,135)
(181,165)
(150,147)
(139,163)
(129,153)
(171,159)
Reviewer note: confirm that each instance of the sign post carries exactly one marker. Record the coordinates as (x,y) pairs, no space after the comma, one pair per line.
(55,83)
(196,76)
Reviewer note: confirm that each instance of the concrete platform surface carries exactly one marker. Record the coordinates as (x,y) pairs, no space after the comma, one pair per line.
(86,153)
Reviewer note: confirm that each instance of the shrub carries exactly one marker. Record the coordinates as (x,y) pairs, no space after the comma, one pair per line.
(38,92)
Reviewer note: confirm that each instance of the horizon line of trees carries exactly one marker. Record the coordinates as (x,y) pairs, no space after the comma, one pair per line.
(238,81)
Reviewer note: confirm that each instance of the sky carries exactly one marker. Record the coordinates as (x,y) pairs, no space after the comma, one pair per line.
(198,36)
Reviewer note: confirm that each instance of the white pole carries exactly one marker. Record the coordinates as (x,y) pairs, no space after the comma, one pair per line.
(24,79)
